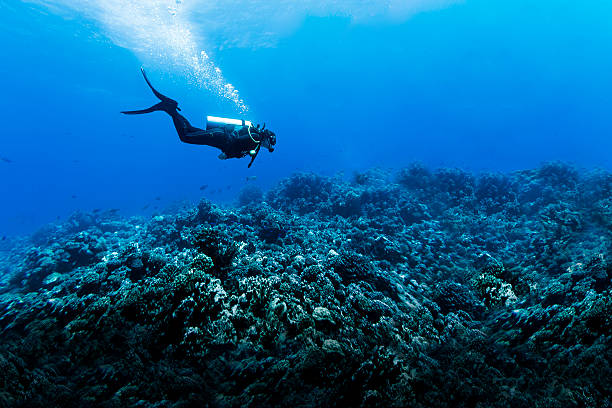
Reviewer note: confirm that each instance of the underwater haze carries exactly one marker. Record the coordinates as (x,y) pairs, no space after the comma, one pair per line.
(432,228)
(345,85)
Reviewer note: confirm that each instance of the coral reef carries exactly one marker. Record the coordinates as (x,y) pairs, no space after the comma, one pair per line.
(423,288)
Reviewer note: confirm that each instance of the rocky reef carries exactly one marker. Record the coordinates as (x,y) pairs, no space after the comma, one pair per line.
(419,288)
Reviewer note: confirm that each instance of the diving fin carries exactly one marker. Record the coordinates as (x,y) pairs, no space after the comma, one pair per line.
(167,104)
(159,95)
(157,107)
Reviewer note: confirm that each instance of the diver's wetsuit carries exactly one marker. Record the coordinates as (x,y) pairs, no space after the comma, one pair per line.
(235,144)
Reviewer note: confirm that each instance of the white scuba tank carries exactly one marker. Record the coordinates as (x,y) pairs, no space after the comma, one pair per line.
(231,124)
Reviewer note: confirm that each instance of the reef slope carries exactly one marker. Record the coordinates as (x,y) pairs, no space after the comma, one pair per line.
(423,288)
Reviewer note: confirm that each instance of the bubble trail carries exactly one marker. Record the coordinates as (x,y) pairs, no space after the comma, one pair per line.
(158,32)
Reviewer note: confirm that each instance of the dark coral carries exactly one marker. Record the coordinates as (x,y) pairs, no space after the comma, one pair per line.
(427,288)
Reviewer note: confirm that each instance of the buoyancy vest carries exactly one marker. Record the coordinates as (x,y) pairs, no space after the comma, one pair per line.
(241,139)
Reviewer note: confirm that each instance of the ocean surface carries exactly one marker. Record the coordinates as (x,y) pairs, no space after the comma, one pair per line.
(433,228)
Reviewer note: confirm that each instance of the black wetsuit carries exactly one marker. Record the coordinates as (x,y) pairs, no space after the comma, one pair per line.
(235,144)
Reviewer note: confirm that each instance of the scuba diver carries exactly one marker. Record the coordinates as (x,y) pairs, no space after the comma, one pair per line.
(235,137)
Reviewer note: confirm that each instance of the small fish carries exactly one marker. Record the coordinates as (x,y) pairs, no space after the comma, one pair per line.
(203,187)
(228,187)
(6,160)
(158,198)
(113,210)
(145,206)
(96,210)
(74,196)
(4,237)
(251,178)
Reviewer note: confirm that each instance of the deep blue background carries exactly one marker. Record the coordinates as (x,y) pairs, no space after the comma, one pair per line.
(481,85)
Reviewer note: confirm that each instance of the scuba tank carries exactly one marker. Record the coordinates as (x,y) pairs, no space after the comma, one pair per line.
(230,124)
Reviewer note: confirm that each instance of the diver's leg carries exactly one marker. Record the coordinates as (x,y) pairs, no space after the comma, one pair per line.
(186,132)
(193,135)
(183,127)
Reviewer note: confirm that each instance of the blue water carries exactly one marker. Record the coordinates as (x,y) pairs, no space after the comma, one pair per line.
(476,84)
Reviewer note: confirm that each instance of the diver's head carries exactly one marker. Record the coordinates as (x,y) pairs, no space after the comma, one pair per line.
(268,140)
